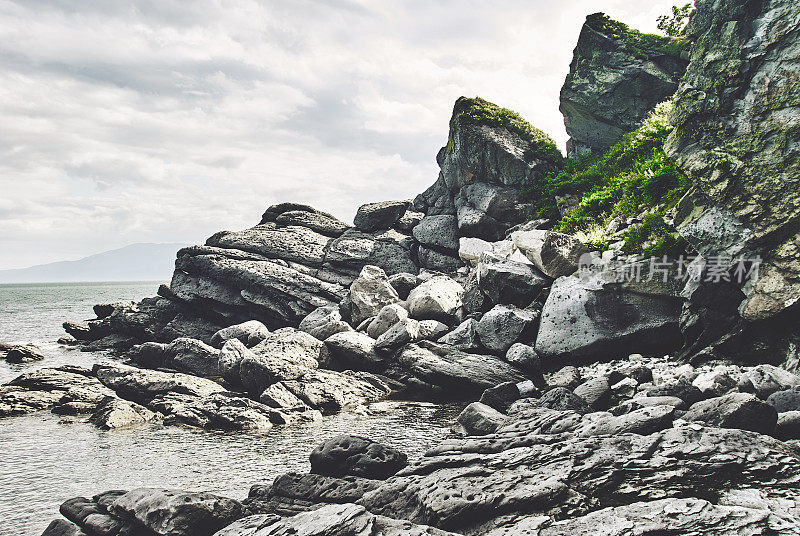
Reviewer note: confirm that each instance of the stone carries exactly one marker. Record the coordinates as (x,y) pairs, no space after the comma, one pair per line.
(721,380)
(279,397)
(596,392)
(387,317)
(562,399)
(192,356)
(62,527)
(640,402)
(438,261)
(20,353)
(504,325)
(148,354)
(431,330)
(643,421)
(500,397)
(356,456)
(487,211)
(249,333)
(769,379)
(231,355)
(286,354)
(438,232)
(784,401)
(331,391)
(403,332)
(177,513)
(437,298)
(471,250)
(324,224)
(554,254)
(116,413)
(637,75)
(525,358)
(568,377)
(355,349)
(464,336)
(510,282)
(735,410)
(369,293)
(478,419)
(141,386)
(324,322)
(49,388)
(403,283)
(374,216)
(788,425)
(685,391)
(409,220)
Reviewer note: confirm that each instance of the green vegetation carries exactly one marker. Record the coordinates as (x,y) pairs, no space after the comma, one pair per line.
(637,43)
(673,25)
(632,177)
(478,111)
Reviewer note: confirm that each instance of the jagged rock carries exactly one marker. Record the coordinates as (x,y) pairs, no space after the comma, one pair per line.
(278,396)
(642,421)
(646,402)
(437,298)
(62,527)
(249,333)
(370,293)
(591,316)
(596,392)
(192,356)
(47,388)
(388,250)
(383,215)
(387,317)
(331,391)
(735,410)
(403,283)
(286,354)
(20,353)
(471,250)
(478,419)
(141,386)
(503,326)
(356,456)
(510,282)
(784,401)
(562,399)
(500,397)
(525,358)
(177,513)
(116,413)
(685,391)
(324,322)
(320,222)
(568,377)
(230,360)
(719,381)
(745,171)
(273,211)
(405,331)
(788,425)
(638,72)
(409,220)
(431,330)
(355,349)
(768,379)
(438,232)
(464,336)
(438,261)
(554,254)
(487,211)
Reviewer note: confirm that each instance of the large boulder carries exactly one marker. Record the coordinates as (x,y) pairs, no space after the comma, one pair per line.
(142,386)
(355,350)
(438,298)
(510,282)
(287,354)
(554,254)
(504,325)
(478,419)
(249,333)
(735,410)
(192,356)
(383,215)
(324,322)
(370,293)
(616,77)
(70,388)
(357,456)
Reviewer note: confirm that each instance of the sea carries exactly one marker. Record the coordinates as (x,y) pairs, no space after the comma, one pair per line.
(46,459)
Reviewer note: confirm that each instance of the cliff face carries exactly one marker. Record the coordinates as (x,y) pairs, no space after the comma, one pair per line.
(616,77)
(737,117)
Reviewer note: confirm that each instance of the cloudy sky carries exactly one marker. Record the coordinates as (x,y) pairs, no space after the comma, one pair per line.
(167,120)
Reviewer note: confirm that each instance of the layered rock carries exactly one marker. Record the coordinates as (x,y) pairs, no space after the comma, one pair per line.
(616,77)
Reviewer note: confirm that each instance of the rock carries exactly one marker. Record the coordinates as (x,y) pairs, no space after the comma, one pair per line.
(686,392)
(320,222)
(149,354)
(745,200)
(177,513)
(592,317)
(286,354)
(387,317)
(735,410)
(370,293)
(788,425)
(596,392)
(331,391)
(503,326)
(647,402)
(446,371)
(357,456)
(437,298)
(639,71)
(721,380)
(487,211)
(568,377)
(768,379)
(278,396)
(141,386)
(355,349)
(438,232)
(403,283)
(20,353)
(192,356)
(554,254)
(526,359)
(231,356)
(374,216)
(48,388)
(431,330)
(115,413)
(500,397)
(62,527)
(250,525)
(438,261)
(403,332)
(784,401)
(409,220)
(464,336)
(389,250)
(478,419)
(471,250)
(642,421)
(510,282)
(324,322)
(249,333)
(273,211)
(562,399)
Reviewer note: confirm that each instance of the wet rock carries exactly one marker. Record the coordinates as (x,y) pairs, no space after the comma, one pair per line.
(370,293)
(437,298)
(478,419)
(116,413)
(383,215)
(356,456)
(387,317)
(324,322)
(735,410)
(47,388)
(330,391)
(141,386)
(502,326)
(20,353)
(249,333)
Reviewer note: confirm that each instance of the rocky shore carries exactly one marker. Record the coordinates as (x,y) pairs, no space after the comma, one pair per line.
(608,392)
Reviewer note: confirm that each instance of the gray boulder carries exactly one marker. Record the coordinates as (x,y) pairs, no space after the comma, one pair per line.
(784,401)
(387,317)
(431,330)
(20,353)
(510,282)
(383,215)
(192,356)
(437,298)
(735,410)
(323,223)
(464,336)
(116,413)
(596,392)
(286,354)
(642,421)
(502,326)
(403,283)
(354,349)
(438,261)
(568,377)
(788,425)
(403,332)
(249,333)
(554,254)
(769,379)
(141,386)
(231,356)
(369,293)
(478,419)
(562,399)
(357,456)
(438,232)
(525,358)
(324,322)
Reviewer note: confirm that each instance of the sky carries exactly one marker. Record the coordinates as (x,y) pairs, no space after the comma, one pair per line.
(166,120)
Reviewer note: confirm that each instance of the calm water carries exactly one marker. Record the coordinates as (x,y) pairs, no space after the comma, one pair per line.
(45,459)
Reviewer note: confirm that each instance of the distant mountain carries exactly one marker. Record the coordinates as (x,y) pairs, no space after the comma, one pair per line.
(137,262)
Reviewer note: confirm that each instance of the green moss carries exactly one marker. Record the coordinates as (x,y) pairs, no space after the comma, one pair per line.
(637,43)
(631,176)
(478,111)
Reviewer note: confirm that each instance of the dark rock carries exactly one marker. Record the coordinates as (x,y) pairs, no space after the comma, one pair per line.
(192,356)
(47,388)
(502,326)
(438,232)
(479,419)
(510,282)
(437,261)
(562,399)
(374,216)
(464,336)
(525,358)
(500,397)
(596,392)
(116,413)
(20,353)
(735,410)
(568,377)
(784,401)
(356,456)
(320,222)
(788,425)
(141,386)
(685,391)
(643,421)
(403,283)
(62,527)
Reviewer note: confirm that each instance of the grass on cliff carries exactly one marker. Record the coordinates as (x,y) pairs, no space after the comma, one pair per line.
(478,111)
(633,176)
(637,43)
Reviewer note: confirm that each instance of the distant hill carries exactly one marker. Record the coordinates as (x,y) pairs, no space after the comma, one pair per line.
(137,262)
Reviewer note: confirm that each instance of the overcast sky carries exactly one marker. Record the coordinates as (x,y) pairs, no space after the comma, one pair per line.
(167,120)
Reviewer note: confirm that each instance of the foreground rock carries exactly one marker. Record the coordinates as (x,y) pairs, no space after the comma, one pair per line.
(72,390)
(20,353)
(356,456)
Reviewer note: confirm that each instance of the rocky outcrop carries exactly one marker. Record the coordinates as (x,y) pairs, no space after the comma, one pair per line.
(20,353)
(616,77)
